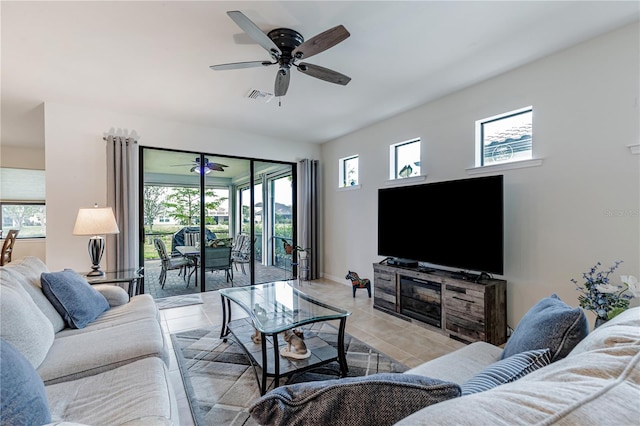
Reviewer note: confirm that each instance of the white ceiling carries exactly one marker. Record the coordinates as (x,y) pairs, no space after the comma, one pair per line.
(153,58)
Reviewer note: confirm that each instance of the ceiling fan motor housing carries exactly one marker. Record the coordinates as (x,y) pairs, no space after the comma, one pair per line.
(286,40)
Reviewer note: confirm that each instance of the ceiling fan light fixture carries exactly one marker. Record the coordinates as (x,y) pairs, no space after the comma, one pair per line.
(196,169)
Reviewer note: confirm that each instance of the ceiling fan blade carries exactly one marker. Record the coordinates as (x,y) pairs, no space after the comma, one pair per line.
(321,42)
(324,73)
(282,82)
(254,31)
(215,167)
(238,65)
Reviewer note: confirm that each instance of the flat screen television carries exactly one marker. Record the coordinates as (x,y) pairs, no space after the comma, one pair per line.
(456,224)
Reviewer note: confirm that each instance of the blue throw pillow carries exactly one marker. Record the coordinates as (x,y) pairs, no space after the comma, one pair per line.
(378,399)
(507,370)
(552,324)
(73,297)
(23,399)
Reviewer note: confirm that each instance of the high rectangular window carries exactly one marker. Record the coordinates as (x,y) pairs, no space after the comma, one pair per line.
(505,138)
(404,159)
(348,171)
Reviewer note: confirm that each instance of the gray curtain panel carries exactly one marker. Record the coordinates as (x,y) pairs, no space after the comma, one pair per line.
(122,196)
(309,209)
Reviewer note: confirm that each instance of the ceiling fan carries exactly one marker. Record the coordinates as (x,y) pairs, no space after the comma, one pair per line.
(208,166)
(286,47)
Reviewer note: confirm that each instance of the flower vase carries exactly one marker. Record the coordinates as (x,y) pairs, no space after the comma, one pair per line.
(599,322)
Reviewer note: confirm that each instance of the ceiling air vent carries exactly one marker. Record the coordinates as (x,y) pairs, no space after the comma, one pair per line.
(259,95)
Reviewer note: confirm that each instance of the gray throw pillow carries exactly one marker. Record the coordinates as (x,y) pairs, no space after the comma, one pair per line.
(507,370)
(552,324)
(378,399)
(73,297)
(23,400)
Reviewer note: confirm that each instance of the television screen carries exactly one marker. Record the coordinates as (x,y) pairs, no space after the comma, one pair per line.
(457,224)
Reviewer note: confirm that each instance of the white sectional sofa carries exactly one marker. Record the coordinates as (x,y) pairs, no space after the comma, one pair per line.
(114,371)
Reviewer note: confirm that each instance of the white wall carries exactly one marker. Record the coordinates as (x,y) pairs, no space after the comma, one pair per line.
(558,217)
(17,157)
(76,164)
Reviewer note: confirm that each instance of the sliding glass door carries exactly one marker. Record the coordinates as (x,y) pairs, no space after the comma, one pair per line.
(225,216)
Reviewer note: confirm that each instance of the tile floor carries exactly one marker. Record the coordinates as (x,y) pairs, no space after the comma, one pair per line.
(408,343)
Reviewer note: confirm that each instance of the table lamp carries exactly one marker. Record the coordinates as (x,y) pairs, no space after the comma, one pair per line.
(96,222)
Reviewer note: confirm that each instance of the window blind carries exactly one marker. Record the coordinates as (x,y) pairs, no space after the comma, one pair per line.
(21,185)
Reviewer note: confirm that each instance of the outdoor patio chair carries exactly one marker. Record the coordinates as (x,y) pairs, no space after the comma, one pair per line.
(241,252)
(191,238)
(219,259)
(7,247)
(171,262)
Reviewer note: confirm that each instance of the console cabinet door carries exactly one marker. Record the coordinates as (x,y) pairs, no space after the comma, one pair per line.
(384,284)
(465,310)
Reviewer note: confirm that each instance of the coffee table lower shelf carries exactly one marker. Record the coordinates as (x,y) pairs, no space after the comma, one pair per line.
(321,353)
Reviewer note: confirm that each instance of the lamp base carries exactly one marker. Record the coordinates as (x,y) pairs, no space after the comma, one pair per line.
(96,249)
(95,273)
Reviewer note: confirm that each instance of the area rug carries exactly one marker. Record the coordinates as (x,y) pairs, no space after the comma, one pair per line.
(221,384)
(177,301)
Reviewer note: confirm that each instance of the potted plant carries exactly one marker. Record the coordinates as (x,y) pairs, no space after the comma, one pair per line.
(302,252)
(288,248)
(604,298)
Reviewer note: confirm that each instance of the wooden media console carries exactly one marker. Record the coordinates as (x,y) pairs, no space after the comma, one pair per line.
(454,304)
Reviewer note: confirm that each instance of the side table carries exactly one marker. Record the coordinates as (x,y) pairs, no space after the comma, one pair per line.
(134,277)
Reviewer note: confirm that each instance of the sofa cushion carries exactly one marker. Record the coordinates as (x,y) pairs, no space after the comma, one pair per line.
(27,271)
(378,399)
(93,350)
(115,295)
(140,307)
(23,400)
(139,393)
(73,297)
(507,370)
(22,323)
(550,323)
(469,360)
(622,330)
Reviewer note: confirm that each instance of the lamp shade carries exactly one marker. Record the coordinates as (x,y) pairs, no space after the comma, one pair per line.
(95,221)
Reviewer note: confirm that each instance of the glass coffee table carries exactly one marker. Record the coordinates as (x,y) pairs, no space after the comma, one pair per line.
(274,308)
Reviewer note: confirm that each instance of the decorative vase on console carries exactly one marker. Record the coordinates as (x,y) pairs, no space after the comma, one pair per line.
(602,297)
(599,322)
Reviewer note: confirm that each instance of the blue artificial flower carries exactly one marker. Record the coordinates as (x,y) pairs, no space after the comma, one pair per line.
(601,297)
